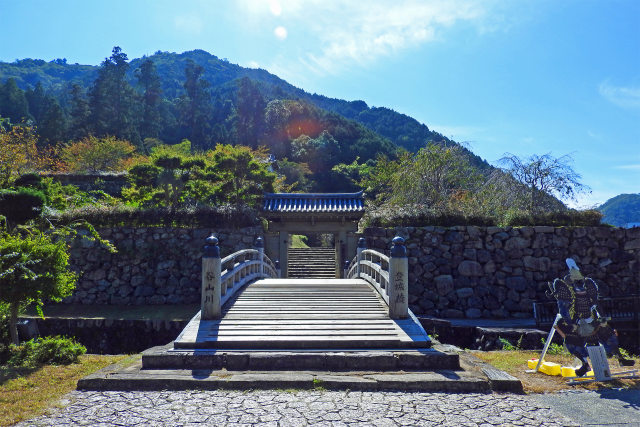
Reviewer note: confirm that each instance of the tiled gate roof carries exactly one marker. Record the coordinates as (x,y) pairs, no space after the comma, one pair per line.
(313,202)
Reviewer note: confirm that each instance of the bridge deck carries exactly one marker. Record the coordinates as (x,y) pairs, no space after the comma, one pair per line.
(304,314)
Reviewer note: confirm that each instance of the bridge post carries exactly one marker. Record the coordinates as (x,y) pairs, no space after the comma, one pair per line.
(276,264)
(260,248)
(362,245)
(211,271)
(398,280)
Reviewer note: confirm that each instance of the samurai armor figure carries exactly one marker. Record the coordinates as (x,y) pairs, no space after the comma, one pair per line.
(581,324)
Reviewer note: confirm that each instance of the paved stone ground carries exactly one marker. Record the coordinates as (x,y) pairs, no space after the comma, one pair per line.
(299,408)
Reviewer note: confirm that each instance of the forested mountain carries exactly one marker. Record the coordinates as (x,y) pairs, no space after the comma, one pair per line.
(221,83)
(621,210)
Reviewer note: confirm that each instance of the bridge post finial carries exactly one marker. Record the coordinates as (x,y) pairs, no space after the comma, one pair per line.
(276,264)
(398,280)
(211,286)
(362,245)
(260,249)
(346,269)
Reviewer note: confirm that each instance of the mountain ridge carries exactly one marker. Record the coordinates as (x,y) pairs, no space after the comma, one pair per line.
(401,129)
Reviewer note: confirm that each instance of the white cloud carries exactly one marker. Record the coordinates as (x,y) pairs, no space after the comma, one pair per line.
(622,96)
(275,7)
(188,24)
(359,32)
(629,167)
(280,32)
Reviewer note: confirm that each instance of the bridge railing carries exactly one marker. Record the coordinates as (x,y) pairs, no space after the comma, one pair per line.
(388,275)
(222,278)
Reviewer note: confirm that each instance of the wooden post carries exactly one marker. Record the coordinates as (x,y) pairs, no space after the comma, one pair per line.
(398,280)
(362,245)
(211,290)
(260,248)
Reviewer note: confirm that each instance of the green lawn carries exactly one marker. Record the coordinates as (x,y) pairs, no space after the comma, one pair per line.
(27,392)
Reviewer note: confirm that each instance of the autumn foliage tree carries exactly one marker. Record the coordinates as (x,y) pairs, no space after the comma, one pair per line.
(18,153)
(92,154)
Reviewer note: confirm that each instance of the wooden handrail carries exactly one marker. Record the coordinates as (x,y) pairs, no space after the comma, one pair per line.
(387,275)
(240,268)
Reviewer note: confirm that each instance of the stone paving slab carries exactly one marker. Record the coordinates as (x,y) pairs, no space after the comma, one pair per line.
(298,408)
(607,407)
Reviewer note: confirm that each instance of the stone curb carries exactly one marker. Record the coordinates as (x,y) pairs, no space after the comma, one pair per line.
(135,378)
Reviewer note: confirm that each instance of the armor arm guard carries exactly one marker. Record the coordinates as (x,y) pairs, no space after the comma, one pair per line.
(563,309)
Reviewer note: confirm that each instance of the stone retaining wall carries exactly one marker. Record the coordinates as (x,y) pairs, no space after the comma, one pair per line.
(497,272)
(154,265)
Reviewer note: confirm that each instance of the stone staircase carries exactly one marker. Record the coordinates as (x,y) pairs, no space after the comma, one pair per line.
(312,263)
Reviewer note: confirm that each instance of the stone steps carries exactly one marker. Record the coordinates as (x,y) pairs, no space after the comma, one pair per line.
(311,263)
(424,359)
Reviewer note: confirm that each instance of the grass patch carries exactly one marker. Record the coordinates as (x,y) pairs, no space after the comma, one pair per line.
(27,392)
(299,241)
(514,362)
(179,312)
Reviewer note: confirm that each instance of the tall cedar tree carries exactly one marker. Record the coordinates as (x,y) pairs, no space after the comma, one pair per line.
(79,115)
(149,81)
(196,106)
(250,106)
(112,100)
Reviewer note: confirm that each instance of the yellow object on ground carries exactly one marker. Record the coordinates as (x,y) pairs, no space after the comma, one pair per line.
(586,376)
(550,368)
(532,363)
(568,371)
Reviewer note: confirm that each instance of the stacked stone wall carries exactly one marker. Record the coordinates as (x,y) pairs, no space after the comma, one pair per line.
(495,272)
(154,265)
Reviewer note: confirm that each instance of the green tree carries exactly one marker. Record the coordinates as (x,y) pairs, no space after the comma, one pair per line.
(37,101)
(249,120)
(545,176)
(196,106)
(93,154)
(112,100)
(241,174)
(52,126)
(432,176)
(13,102)
(33,268)
(320,153)
(149,81)
(79,115)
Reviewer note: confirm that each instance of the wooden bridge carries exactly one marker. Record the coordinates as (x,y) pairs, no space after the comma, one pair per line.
(246,306)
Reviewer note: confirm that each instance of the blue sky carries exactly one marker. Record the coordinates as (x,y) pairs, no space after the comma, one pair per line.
(513,76)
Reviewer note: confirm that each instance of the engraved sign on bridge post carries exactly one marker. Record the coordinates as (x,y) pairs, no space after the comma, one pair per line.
(398,280)
(211,290)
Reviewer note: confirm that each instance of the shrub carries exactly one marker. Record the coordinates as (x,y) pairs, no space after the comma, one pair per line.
(568,218)
(200,216)
(419,216)
(21,205)
(54,350)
